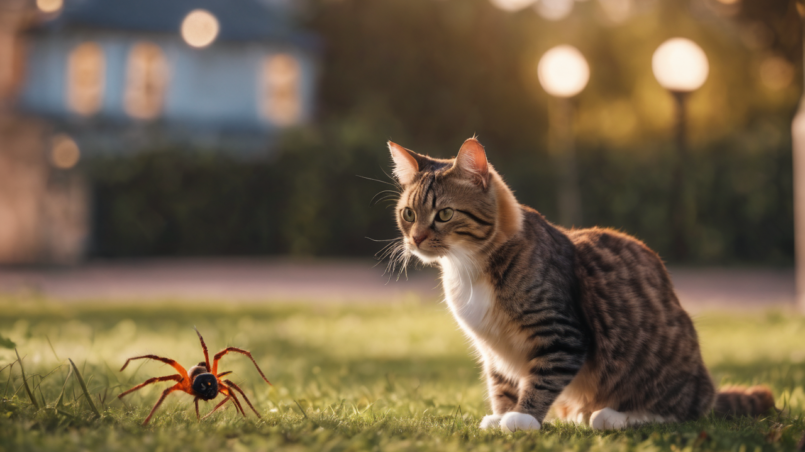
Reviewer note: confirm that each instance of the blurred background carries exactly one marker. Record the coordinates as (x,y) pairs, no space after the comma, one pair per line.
(214,146)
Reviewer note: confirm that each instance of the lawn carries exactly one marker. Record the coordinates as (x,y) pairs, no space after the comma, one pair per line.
(382,377)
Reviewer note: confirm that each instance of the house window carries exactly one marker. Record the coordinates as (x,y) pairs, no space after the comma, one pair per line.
(146,80)
(85,78)
(7,63)
(281,97)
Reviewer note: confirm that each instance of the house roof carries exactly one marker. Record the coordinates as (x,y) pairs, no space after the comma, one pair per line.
(239,20)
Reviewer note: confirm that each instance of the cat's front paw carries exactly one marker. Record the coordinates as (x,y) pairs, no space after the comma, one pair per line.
(607,419)
(491,421)
(513,421)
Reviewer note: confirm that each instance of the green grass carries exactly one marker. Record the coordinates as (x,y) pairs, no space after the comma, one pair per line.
(386,377)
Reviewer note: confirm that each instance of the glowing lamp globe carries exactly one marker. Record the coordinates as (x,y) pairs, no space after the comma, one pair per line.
(199,28)
(680,65)
(563,71)
(512,5)
(49,6)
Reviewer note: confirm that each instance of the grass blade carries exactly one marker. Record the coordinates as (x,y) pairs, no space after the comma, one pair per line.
(25,381)
(60,401)
(301,409)
(52,349)
(84,388)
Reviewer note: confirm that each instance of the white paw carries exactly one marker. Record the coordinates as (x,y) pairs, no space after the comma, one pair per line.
(491,421)
(513,421)
(608,419)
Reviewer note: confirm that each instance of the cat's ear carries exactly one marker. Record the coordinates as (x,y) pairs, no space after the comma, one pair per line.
(405,163)
(471,160)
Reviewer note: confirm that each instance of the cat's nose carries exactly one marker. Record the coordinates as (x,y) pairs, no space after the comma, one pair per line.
(420,238)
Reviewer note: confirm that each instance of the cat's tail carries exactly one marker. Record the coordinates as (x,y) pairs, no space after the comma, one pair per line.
(732,401)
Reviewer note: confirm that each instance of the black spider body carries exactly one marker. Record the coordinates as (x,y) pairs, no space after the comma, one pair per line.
(205,386)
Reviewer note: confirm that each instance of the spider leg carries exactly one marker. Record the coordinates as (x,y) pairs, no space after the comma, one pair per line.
(196,402)
(176,387)
(224,373)
(237,403)
(237,388)
(204,347)
(226,399)
(223,352)
(149,381)
(168,361)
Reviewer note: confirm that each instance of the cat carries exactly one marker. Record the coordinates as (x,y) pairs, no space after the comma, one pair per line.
(584,321)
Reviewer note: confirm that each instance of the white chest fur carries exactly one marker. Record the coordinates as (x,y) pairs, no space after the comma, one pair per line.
(470,297)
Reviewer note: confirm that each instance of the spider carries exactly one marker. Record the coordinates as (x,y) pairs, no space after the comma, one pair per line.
(199,382)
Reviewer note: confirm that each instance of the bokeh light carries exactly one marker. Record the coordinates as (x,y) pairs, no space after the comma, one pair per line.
(200,28)
(680,65)
(617,11)
(512,5)
(49,6)
(554,9)
(563,71)
(776,73)
(64,153)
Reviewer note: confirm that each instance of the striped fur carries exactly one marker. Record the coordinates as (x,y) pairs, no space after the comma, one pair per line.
(734,401)
(582,321)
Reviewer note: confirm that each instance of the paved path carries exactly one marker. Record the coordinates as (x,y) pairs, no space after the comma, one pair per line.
(338,281)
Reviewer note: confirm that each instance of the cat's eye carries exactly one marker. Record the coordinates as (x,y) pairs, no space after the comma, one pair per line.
(408,215)
(445,214)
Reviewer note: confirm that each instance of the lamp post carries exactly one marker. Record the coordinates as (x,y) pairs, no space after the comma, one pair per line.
(563,73)
(798,141)
(681,67)
(798,136)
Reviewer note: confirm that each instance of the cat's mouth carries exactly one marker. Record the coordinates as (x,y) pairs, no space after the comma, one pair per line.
(424,254)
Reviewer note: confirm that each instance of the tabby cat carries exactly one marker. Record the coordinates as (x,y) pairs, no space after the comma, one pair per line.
(584,321)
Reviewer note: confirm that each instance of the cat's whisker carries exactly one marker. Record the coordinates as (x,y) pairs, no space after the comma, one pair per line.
(389,194)
(383,251)
(393,179)
(394,252)
(383,257)
(402,258)
(392,200)
(388,251)
(381,181)
(405,266)
(387,199)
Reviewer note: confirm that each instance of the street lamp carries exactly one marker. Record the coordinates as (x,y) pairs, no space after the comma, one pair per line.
(512,5)
(563,73)
(200,28)
(49,6)
(681,67)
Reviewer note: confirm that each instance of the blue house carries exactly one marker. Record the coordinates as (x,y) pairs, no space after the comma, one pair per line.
(121,74)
